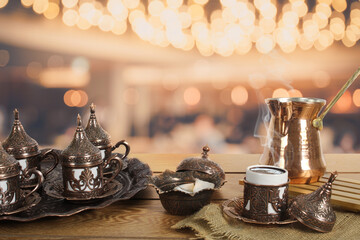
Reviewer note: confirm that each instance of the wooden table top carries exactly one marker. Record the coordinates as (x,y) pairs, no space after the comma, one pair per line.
(143,216)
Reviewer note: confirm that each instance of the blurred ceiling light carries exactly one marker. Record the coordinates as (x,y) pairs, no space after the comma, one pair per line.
(70,17)
(3,3)
(106,23)
(174,3)
(156,7)
(339,5)
(52,11)
(280,93)
(119,27)
(196,12)
(33,70)
(201,2)
(63,78)
(27,3)
(83,24)
(321,79)
(356,97)
(75,98)
(4,57)
(67,98)
(192,96)
(265,44)
(300,7)
(40,6)
(69,3)
(131,96)
(223,28)
(295,93)
(239,95)
(131,4)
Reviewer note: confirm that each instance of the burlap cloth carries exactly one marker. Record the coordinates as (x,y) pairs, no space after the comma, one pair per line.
(209,223)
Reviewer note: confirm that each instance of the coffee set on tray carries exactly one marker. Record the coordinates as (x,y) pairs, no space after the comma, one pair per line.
(85,175)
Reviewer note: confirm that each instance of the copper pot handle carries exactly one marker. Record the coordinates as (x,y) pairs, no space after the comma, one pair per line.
(40,178)
(125,144)
(56,157)
(119,165)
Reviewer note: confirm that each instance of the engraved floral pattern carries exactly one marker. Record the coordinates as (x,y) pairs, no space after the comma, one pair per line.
(86,181)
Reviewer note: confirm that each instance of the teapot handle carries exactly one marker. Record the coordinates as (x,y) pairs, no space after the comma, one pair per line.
(40,178)
(125,144)
(56,157)
(119,164)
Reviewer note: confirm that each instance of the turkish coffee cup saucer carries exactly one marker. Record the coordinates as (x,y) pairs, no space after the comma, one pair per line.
(232,209)
(25,203)
(56,190)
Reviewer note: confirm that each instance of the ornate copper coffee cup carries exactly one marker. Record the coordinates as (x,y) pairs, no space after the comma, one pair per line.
(26,151)
(82,167)
(265,193)
(11,195)
(101,139)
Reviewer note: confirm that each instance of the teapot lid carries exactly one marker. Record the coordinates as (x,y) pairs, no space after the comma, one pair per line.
(19,144)
(201,164)
(95,133)
(81,152)
(8,164)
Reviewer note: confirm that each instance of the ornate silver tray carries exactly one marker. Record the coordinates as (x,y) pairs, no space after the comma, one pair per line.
(133,179)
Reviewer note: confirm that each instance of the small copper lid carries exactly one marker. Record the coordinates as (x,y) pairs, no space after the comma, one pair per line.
(8,165)
(18,143)
(201,164)
(314,209)
(95,133)
(81,152)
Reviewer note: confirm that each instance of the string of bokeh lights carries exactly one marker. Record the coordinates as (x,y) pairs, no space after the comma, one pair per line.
(236,26)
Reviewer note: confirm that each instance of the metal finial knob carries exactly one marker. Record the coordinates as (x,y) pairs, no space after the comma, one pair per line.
(332,177)
(92,108)
(79,123)
(16,114)
(206,149)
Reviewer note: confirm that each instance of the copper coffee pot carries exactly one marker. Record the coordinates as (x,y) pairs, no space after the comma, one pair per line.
(293,140)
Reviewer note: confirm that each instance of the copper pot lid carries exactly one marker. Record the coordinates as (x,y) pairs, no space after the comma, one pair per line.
(8,165)
(202,164)
(314,209)
(19,144)
(95,133)
(81,152)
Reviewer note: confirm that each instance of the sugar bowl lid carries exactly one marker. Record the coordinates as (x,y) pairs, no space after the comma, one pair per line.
(201,164)
(8,165)
(81,152)
(19,144)
(314,209)
(96,134)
